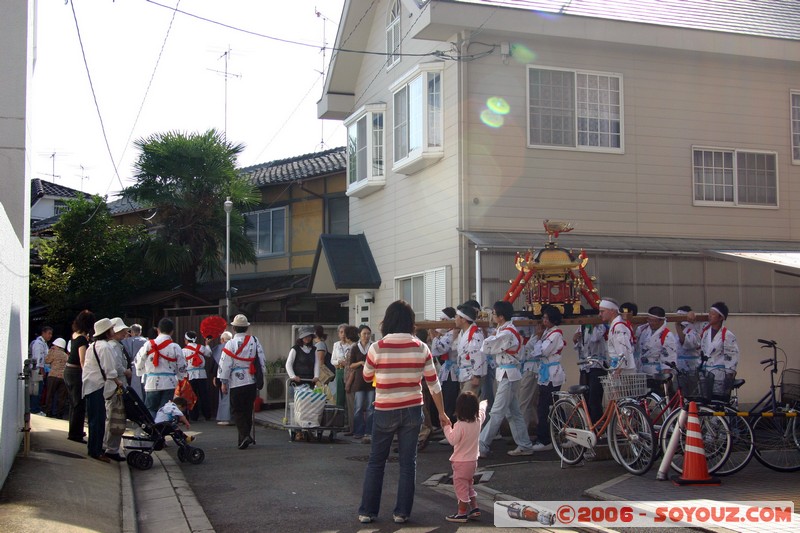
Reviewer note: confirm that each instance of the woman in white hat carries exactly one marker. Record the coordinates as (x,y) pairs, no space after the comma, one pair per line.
(100,381)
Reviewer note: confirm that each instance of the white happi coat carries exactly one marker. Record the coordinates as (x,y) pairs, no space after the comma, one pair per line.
(506,347)
(167,373)
(591,345)
(721,349)
(547,353)
(471,361)
(236,372)
(656,348)
(619,345)
(689,350)
(196,366)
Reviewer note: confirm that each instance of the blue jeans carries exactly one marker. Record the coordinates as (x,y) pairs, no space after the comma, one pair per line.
(363,412)
(405,423)
(506,404)
(156,399)
(96,414)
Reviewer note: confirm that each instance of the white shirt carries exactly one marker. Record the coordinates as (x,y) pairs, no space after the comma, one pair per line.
(38,349)
(167,374)
(591,345)
(657,348)
(290,360)
(169,412)
(236,372)
(443,348)
(506,346)
(689,350)
(92,375)
(339,353)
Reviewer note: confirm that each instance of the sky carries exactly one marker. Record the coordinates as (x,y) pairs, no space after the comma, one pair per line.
(154,70)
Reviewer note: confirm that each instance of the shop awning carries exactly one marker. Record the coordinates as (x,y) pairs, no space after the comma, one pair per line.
(343,262)
(783,262)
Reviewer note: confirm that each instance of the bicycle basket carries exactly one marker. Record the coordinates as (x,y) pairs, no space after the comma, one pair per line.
(790,386)
(723,384)
(624,386)
(696,385)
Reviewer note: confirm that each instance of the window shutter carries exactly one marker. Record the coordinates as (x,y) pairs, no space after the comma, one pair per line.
(436,291)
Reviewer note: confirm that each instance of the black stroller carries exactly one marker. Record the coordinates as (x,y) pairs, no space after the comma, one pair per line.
(140,448)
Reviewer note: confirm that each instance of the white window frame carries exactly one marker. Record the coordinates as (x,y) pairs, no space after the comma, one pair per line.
(393,38)
(603,116)
(734,170)
(794,124)
(271,211)
(371,156)
(418,118)
(435,292)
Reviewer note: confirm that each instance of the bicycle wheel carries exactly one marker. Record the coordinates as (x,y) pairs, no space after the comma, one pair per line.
(630,435)
(565,415)
(741,445)
(775,440)
(716,439)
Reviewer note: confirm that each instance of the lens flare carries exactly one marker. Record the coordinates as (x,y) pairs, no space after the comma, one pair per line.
(498,105)
(491,119)
(522,53)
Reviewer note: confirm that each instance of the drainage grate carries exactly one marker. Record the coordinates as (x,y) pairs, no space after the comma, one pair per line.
(365,458)
(65,454)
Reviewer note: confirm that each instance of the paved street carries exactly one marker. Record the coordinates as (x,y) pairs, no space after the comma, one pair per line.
(313,486)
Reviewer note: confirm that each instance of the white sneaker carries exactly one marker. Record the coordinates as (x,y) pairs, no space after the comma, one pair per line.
(521,451)
(498,437)
(539,447)
(364,519)
(400,519)
(444,442)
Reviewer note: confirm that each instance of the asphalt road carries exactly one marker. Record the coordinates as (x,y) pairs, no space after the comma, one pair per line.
(279,485)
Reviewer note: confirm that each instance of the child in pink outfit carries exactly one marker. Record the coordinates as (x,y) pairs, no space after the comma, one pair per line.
(464,438)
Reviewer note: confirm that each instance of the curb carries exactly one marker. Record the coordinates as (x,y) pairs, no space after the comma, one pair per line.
(196,519)
(129,523)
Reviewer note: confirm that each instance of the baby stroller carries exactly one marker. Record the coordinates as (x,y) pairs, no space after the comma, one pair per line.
(141,447)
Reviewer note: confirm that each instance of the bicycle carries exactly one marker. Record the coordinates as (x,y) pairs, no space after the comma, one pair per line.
(631,438)
(664,412)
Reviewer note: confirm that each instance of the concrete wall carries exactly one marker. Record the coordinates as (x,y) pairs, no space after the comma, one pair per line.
(16,64)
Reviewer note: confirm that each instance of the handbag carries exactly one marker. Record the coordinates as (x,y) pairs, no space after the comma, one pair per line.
(325,374)
(349,379)
(117,417)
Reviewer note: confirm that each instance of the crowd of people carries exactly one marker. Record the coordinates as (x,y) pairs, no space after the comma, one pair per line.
(409,385)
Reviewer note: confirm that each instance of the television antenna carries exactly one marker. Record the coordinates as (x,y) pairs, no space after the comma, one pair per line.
(226,75)
(322,71)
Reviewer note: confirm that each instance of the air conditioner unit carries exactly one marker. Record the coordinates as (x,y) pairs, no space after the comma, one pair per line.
(275,388)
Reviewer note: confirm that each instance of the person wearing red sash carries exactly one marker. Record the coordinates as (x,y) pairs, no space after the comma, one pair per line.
(163,362)
(237,373)
(546,347)
(196,355)
(506,347)
(619,340)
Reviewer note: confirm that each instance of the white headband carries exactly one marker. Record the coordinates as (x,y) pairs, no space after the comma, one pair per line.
(608,304)
(443,316)
(718,311)
(681,312)
(648,315)
(464,316)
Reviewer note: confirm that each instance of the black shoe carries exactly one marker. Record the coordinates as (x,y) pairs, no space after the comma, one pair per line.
(246,442)
(79,441)
(115,457)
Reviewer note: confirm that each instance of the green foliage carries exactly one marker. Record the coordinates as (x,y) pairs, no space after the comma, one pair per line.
(90,262)
(186,178)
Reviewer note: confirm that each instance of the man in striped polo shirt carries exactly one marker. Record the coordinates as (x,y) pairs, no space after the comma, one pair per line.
(397,363)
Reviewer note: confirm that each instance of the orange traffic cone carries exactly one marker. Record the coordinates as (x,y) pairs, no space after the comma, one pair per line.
(695,468)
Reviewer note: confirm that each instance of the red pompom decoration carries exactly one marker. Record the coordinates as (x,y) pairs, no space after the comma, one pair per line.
(212,326)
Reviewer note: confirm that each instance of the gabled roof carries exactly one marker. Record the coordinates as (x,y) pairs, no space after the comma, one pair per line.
(301,167)
(41,188)
(123,206)
(763,18)
(343,262)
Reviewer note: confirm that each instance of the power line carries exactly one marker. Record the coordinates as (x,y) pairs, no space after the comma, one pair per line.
(96,104)
(149,84)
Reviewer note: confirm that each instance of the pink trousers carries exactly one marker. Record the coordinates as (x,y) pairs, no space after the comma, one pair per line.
(463,474)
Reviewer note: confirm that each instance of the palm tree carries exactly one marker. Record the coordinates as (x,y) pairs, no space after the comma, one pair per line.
(186,178)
